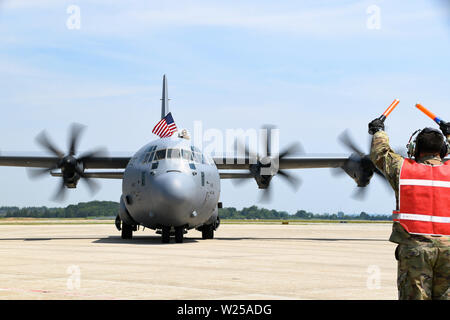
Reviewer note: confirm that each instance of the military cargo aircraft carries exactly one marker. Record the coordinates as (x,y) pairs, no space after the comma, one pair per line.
(171,186)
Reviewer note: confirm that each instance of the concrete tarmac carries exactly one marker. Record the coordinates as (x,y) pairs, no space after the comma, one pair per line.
(245,261)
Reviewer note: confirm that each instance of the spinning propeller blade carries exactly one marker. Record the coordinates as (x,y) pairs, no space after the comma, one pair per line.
(270,159)
(72,168)
(359,166)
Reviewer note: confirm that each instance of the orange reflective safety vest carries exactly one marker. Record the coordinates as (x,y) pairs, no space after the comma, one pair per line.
(424,198)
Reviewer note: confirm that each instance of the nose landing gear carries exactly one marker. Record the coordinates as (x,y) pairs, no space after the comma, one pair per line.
(166,232)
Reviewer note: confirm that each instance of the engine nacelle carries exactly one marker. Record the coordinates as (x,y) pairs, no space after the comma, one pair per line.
(360,169)
(71,170)
(262,181)
(72,181)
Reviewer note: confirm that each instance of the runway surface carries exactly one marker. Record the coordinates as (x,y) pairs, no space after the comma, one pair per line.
(310,261)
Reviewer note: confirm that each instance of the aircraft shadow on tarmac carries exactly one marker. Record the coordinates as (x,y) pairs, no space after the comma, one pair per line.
(297,239)
(112,239)
(156,240)
(147,240)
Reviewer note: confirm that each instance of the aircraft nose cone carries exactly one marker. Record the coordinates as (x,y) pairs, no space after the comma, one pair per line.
(173,195)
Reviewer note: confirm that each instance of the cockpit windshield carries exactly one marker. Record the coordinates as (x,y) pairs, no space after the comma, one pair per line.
(186,154)
(193,155)
(173,154)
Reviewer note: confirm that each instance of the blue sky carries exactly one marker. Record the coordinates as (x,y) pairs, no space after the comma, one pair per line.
(313,68)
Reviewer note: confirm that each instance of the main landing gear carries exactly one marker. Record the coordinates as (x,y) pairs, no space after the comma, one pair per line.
(127,231)
(125,228)
(208,229)
(208,232)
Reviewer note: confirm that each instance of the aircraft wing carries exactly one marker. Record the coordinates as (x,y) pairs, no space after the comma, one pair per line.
(32,162)
(47,162)
(99,175)
(251,168)
(284,163)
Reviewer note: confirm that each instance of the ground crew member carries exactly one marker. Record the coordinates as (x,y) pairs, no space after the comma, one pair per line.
(421,225)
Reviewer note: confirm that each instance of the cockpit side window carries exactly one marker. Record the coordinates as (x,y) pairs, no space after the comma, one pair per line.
(173,153)
(148,157)
(160,154)
(197,157)
(195,149)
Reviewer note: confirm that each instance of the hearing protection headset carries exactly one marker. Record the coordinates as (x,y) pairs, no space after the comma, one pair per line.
(414,149)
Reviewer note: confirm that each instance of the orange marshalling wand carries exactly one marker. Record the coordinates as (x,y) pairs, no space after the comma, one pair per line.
(390,109)
(428,113)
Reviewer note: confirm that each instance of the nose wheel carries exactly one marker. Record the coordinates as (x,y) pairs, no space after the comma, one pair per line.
(166,233)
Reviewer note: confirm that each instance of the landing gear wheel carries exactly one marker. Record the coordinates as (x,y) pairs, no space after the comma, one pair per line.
(208,232)
(127,231)
(179,232)
(165,235)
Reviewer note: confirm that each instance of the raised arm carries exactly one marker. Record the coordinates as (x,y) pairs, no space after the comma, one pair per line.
(382,155)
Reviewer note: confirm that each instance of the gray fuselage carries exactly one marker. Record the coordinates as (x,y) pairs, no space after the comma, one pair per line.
(170,183)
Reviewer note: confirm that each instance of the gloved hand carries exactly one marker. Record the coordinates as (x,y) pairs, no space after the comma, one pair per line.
(375,126)
(445,128)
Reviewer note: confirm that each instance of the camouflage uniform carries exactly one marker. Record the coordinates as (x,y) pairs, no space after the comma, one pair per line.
(423,261)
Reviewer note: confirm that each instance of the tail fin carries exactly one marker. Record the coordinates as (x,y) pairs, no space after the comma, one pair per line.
(164,99)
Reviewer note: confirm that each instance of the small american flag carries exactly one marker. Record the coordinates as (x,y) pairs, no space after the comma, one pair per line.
(165,127)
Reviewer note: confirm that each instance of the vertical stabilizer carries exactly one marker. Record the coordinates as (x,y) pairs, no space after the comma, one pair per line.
(164,99)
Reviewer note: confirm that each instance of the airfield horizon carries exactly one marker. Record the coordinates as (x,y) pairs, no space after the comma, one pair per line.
(94,220)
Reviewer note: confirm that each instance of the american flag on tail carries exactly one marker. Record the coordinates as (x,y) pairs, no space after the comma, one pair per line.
(165,127)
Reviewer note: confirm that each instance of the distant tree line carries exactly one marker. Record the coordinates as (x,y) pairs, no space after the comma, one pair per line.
(254,212)
(111,208)
(80,210)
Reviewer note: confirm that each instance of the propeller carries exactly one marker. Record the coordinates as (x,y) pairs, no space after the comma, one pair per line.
(264,167)
(72,168)
(348,142)
(359,167)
